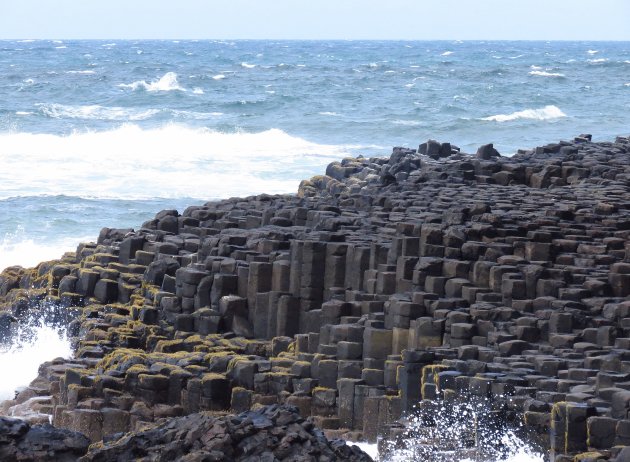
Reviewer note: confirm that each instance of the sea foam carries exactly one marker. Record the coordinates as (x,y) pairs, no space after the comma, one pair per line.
(172,161)
(18,249)
(95,112)
(546,113)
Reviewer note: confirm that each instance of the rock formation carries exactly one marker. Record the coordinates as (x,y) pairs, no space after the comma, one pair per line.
(388,281)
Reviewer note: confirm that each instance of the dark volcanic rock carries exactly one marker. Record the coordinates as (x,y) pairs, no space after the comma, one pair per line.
(487,152)
(383,285)
(21,442)
(272,433)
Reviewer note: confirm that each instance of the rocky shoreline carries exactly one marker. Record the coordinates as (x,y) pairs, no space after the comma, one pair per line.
(382,286)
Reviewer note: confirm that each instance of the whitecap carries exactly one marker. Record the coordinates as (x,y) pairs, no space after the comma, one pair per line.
(597,61)
(85,72)
(626,84)
(329,113)
(247,65)
(168,82)
(546,74)
(410,85)
(95,112)
(23,113)
(26,41)
(197,91)
(447,53)
(61,47)
(546,113)
(592,52)
(139,52)
(407,123)
(515,57)
(535,68)
(218,77)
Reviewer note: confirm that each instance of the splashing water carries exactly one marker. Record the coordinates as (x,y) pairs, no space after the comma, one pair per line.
(32,343)
(457,432)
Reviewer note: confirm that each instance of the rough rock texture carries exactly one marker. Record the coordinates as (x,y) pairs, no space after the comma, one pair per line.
(20,441)
(385,282)
(273,433)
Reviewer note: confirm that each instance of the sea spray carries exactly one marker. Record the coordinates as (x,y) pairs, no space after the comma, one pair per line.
(42,337)
(466,431)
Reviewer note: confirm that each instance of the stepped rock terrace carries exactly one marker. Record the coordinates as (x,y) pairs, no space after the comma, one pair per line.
(382,286)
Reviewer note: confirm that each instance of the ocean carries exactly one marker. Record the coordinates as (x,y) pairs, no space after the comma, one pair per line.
(107,133)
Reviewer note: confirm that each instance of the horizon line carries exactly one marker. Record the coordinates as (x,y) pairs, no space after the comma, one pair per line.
(312,39)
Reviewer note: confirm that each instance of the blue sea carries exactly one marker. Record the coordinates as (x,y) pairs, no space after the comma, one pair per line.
(107,133)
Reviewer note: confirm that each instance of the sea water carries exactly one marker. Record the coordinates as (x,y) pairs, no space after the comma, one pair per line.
(107,133)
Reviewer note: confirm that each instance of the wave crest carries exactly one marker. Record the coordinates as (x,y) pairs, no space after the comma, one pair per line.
(95,112)
(168,82)
(545,113)
(546,74)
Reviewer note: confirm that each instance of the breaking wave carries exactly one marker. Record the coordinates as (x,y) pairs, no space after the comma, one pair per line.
(546,113)
(168,82)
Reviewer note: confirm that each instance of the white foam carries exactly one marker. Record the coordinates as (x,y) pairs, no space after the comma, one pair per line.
(597,61)
(407,123)
(218,77)
(16,249)
(168,82)
(95,112)
(546,74)
(447,53)
(21,361)
(170,161)
(546,113)
(247,65)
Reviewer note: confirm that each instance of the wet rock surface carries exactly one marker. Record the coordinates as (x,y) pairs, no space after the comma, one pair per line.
(273,433)
(20,441)
(386,283)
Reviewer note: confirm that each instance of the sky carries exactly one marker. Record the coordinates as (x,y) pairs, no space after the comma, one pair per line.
(317,19)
